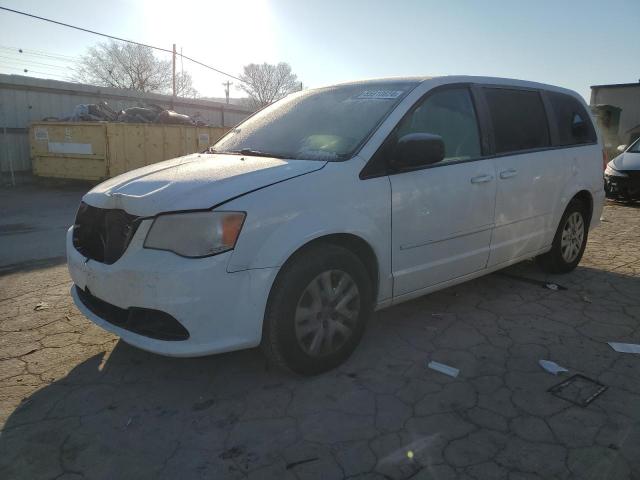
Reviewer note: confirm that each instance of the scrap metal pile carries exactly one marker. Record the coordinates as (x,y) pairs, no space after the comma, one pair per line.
(149,113)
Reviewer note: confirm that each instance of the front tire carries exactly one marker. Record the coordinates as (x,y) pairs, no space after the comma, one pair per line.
(317,310)
(569,241)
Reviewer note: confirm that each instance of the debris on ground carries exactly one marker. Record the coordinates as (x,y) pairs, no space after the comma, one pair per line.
(41,306)
(551,367)
(586,299)
(533,281)
(143,113)
(578,389)
(300,462)
(625,347)
(442,368)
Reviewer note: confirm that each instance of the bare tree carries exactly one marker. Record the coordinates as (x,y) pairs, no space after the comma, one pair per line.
(184,86)
(268,83)
(135,67)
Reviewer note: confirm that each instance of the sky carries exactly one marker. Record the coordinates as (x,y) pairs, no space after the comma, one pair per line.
(573,44)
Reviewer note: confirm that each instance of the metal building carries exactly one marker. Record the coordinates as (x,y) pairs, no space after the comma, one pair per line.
(617,108)
(26,99)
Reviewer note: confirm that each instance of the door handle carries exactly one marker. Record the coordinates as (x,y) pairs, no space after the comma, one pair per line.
(508,173)
(482,179)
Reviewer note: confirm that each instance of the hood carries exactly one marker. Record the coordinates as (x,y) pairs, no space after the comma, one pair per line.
(193,182)
(626,161)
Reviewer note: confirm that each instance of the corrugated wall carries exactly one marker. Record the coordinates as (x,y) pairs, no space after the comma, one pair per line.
(25,99)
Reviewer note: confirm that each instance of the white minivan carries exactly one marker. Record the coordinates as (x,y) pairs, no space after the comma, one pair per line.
(332,203)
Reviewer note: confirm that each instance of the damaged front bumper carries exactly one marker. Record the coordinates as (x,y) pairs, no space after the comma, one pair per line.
(167,304)
(623,187)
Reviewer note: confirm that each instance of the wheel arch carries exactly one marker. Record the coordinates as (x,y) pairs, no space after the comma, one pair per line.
(349,241)
(586,198)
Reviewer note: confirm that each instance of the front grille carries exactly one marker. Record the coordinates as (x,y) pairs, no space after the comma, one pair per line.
(102,234)
(633,174)
(143,321)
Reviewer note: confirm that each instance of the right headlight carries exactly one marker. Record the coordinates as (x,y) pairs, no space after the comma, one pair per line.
(195,234)
(613,172)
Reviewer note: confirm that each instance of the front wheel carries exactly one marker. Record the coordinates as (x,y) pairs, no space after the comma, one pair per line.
(569,241)
(317,310)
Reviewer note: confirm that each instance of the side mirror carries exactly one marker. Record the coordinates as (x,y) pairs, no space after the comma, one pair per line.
(417,150)
(621,148)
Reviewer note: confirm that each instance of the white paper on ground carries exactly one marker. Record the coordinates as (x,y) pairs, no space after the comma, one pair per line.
(625,347)
(442,368)
(552,367)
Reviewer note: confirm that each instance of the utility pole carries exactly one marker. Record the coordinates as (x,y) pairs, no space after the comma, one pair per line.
(226,89)
(173,98)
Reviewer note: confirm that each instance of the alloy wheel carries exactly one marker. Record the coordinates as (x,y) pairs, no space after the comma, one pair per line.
(572,237)
(327,313)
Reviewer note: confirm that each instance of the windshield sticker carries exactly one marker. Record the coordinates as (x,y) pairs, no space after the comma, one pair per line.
(380,94)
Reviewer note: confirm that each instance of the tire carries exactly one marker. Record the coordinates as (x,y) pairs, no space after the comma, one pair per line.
(574,227)
(314,320)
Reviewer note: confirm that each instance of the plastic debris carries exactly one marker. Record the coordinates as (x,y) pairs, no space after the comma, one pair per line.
(552,367)
(578,389)
(587,299)
(129,421)
(551,286)
(442,368)
(625,347)
(41,306)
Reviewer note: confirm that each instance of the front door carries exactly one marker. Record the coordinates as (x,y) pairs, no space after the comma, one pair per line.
(442,215)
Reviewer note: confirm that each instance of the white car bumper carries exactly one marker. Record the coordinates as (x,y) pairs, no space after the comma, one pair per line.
(221,311)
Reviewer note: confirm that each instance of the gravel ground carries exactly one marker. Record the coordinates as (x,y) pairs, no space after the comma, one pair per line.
(75,402)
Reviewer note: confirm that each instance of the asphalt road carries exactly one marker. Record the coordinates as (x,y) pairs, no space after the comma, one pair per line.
(33,223)
(75,402)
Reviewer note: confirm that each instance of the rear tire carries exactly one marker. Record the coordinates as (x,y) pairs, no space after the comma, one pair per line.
(317,310)
(569,241)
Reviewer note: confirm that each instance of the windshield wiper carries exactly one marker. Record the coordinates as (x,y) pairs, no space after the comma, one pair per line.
(254,153)
(244,151)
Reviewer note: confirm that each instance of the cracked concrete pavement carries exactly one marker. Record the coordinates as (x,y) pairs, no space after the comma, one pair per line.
(77,403)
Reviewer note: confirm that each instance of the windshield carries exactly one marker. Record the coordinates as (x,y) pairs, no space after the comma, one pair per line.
(324,124)
(635,148)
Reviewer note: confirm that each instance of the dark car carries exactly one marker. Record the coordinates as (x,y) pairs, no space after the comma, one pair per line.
(622,175)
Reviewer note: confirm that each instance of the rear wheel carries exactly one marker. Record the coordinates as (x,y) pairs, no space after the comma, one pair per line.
(317,310)
(569,241)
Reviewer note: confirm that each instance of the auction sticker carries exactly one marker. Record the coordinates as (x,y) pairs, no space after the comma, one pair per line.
(380,94)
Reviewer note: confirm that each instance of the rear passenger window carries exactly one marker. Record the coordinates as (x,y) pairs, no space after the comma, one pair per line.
(572,120)
(518,118)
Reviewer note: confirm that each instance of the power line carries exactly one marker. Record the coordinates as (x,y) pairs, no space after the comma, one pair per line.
(33,62)
(119,39)
(49,54)
(39,54)
(28,70)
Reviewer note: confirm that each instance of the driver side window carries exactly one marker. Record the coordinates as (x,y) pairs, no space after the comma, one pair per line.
(450,114)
